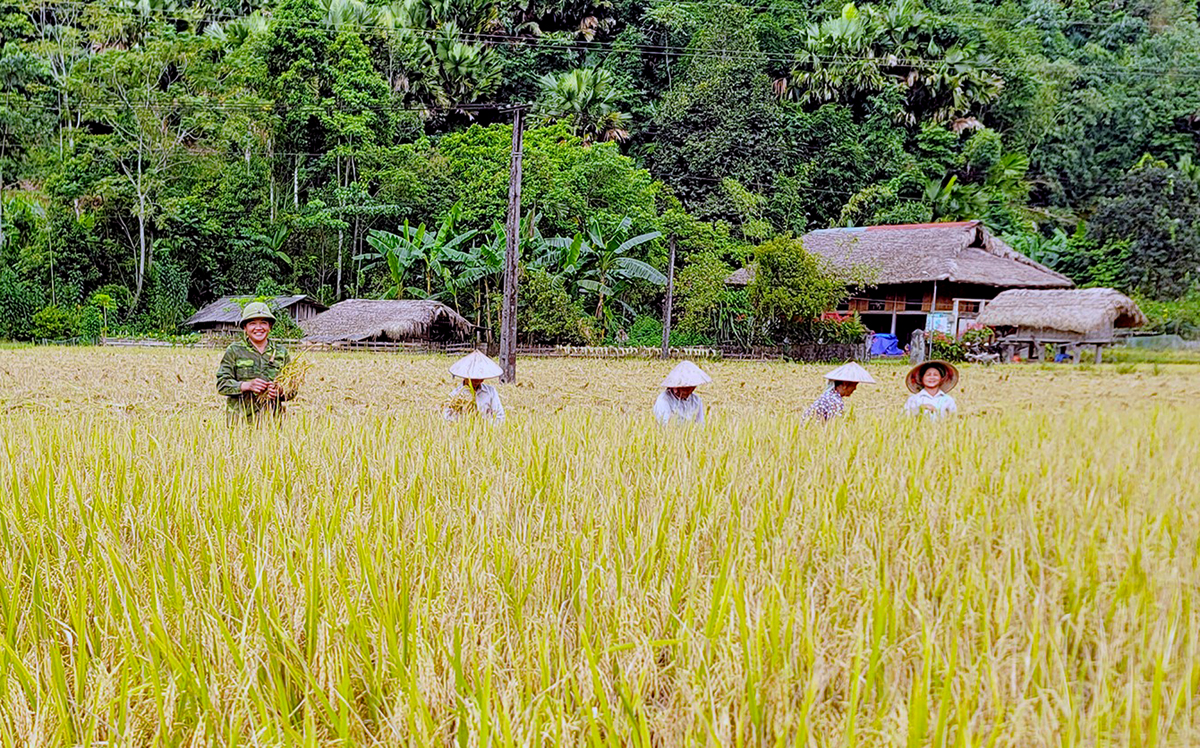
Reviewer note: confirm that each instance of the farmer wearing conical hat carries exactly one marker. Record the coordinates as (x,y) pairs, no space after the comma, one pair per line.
(843,381)
(473,396)
(246,376)
(678,399)
(930,384)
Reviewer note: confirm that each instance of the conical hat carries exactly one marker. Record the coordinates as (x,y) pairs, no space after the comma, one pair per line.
(475,365)
(913,380)
(686,374)
(850,372)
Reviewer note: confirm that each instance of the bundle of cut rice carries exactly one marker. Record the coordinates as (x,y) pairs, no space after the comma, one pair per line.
(462,401)
(289,380)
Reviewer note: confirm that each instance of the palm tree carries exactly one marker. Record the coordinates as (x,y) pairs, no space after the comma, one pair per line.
(858,54)
(586,96)
(428,52)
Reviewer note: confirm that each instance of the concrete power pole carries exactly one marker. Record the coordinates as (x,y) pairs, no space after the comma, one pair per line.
(512,251)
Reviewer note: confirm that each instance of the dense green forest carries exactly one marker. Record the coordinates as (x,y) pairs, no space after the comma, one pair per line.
(155,154)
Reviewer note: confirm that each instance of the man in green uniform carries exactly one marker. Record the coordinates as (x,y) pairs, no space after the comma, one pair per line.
(248,369)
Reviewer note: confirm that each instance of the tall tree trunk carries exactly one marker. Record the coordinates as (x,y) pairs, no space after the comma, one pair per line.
(53,285)
(140,264)
(1,198)
(341,239)
(337,169)
(271,173)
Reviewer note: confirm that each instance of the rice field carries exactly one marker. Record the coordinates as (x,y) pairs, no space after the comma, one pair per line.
(365,574)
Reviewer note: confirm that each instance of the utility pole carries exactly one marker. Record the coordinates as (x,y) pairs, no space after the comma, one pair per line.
(512,251)
(666,342)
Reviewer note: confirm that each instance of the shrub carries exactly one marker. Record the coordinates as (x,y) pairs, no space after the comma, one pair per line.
(947,348)
(837,328)
(91,322)
(19,301)
(1175,317)
(977,334)
(792,288)
(285,327)
(55,323)
(548,314)
(646,331)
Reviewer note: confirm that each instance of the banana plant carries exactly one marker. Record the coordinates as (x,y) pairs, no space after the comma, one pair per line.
(600,264)
(272,245)
(476,269)
(398,255)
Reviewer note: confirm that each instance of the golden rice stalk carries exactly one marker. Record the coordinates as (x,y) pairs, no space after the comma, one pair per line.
(462,402)
(290,379)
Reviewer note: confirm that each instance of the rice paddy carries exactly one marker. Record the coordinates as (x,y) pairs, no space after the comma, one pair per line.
(367,574)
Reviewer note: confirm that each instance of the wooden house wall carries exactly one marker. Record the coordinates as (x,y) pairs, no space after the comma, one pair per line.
(302,311)
(916,297)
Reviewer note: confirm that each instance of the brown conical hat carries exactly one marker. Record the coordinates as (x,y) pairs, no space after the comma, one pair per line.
(913,380)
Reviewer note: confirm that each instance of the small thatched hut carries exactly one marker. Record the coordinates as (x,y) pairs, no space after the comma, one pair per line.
(1089,316)
(376,320)
(224,315)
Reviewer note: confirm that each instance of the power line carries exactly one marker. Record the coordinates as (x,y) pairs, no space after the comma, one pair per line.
(614,48)
(835,12)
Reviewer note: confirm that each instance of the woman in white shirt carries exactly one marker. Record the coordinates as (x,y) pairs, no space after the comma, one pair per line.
(930,384)
(678,400)
(473,396)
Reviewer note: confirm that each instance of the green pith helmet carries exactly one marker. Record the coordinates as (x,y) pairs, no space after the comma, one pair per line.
(257,310)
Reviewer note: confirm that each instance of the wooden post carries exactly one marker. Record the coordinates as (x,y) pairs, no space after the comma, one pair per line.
(512,250)
(1099,354)
(666,341)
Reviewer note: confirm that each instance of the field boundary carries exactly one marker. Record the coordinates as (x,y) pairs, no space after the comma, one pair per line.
(808,352)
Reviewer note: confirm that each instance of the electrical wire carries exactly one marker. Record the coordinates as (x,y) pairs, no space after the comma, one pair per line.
(622,48)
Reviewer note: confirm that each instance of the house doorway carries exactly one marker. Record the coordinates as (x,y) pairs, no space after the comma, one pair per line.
(877,323)
(906,324)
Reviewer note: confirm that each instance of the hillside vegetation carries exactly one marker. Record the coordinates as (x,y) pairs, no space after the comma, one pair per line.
(155,154)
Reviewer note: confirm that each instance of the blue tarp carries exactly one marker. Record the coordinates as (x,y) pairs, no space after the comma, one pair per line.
(884,344)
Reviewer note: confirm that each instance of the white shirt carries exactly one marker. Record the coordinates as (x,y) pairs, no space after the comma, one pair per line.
(487,402)
(668,406)
(934,406)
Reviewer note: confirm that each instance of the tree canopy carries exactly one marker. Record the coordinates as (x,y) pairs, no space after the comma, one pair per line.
(160,154)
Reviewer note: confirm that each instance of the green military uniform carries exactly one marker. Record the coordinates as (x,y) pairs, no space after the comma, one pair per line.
(242,363)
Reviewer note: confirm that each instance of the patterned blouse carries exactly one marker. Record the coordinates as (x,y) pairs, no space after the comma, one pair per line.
(829,405)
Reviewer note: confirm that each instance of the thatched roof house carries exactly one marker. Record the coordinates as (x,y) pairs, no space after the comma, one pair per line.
(1089,315)
(356,320)
(921,270)
(962,252)
(225,314)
